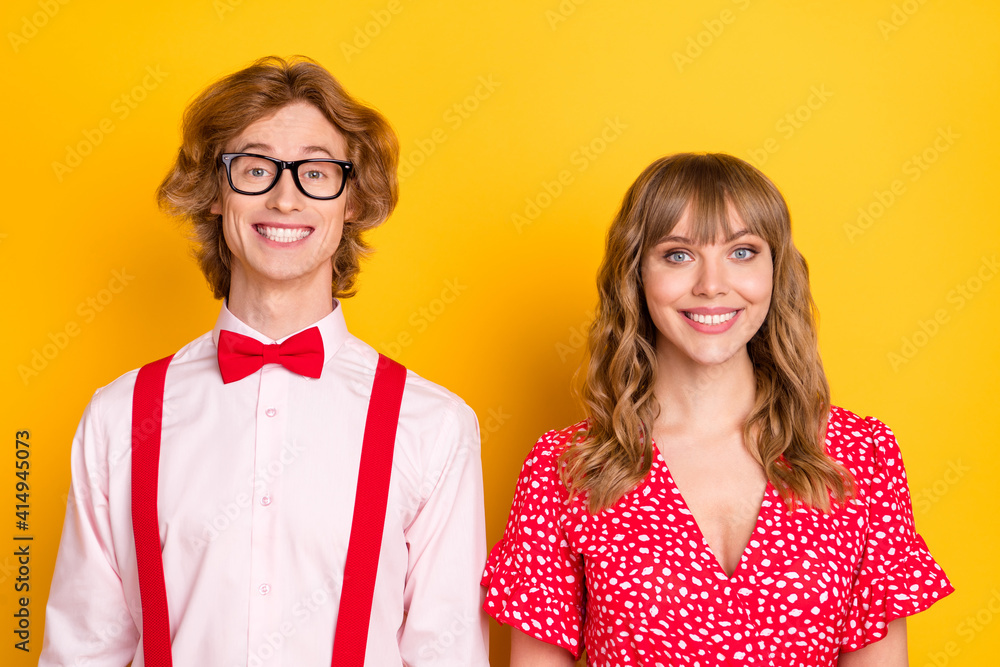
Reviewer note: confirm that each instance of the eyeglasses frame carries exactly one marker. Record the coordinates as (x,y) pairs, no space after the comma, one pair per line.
(293,166)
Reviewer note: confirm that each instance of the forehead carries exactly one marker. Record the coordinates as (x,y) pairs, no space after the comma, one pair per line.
(703,228)
(726,220)
(295,128)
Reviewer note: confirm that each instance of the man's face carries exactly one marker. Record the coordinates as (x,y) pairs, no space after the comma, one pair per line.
(283,238)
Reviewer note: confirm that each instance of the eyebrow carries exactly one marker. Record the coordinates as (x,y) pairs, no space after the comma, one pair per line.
(683,239)
(267,147)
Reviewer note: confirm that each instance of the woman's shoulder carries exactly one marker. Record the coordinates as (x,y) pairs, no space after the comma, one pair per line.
(552,444)
(556,441)
(865,445)
(545,457)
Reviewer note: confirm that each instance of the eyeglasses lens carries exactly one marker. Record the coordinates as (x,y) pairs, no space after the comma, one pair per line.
(319,179)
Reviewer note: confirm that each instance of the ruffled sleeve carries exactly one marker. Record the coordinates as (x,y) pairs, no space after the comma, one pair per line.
(534,579)
(898,577)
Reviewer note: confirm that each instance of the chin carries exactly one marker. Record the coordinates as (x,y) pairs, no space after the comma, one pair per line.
(718,358)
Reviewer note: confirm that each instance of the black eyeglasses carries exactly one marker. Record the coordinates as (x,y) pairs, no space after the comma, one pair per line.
(318,178)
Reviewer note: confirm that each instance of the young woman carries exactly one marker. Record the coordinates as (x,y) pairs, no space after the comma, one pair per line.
(714,508)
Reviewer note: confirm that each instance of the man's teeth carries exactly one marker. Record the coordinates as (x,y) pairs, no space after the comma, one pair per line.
(712,319)
(283,234)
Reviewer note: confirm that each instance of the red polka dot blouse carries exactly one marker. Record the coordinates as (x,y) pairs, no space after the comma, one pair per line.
(637,584)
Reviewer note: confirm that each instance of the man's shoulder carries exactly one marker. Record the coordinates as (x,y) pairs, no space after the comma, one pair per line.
(418,388)
(432,394)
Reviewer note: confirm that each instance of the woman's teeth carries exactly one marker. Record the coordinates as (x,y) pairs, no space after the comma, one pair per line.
(711,319)
(283,234)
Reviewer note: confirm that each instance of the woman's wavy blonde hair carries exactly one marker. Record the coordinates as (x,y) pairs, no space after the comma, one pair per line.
(227,107)
(785,429)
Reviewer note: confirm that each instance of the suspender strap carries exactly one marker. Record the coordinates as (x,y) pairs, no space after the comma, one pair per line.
(370,500)
(147,419)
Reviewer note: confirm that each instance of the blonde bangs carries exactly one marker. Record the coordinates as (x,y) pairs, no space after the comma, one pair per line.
(709,189)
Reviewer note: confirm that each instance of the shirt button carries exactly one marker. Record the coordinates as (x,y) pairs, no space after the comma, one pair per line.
(265,500)
(270,412)
(264,589)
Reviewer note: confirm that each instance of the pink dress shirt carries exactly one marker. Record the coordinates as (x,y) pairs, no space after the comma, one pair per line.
(257,483)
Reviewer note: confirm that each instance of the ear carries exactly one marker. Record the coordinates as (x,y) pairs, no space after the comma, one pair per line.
(216,208)
(348,204)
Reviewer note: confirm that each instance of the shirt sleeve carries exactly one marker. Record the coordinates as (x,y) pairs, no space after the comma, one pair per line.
(898,577)
(444,625)
(87,619)
(534,579)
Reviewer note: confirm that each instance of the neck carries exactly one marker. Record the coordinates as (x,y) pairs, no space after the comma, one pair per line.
(279,310)
(698,397)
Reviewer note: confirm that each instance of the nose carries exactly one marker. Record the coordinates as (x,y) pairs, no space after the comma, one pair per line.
(284,196)
(711,279)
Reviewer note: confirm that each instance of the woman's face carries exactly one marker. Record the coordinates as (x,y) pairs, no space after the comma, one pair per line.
(707,301)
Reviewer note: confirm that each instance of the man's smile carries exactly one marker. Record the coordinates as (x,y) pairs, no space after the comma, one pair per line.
(283,234)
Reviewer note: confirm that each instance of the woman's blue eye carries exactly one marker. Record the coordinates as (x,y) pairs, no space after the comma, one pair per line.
(743,253)
(677,256)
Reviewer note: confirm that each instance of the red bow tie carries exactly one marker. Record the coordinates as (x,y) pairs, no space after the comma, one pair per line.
(240,355)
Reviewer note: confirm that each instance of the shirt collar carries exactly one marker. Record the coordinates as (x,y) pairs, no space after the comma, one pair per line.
(332,328)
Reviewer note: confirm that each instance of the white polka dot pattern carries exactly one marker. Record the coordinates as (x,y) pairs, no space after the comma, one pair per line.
(638,585)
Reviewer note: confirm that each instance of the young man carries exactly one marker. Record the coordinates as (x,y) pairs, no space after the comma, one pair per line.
(233,550)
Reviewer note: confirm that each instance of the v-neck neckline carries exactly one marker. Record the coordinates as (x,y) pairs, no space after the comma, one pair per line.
(706,547)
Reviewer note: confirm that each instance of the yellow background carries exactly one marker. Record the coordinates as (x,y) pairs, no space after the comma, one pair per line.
(492,305)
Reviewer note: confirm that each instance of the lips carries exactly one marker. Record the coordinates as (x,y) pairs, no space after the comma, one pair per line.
(710,319)
(715,320)
(283,234)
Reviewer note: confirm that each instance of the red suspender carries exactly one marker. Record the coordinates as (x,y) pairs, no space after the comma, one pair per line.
(363,550)
(147,419)
(369,515)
